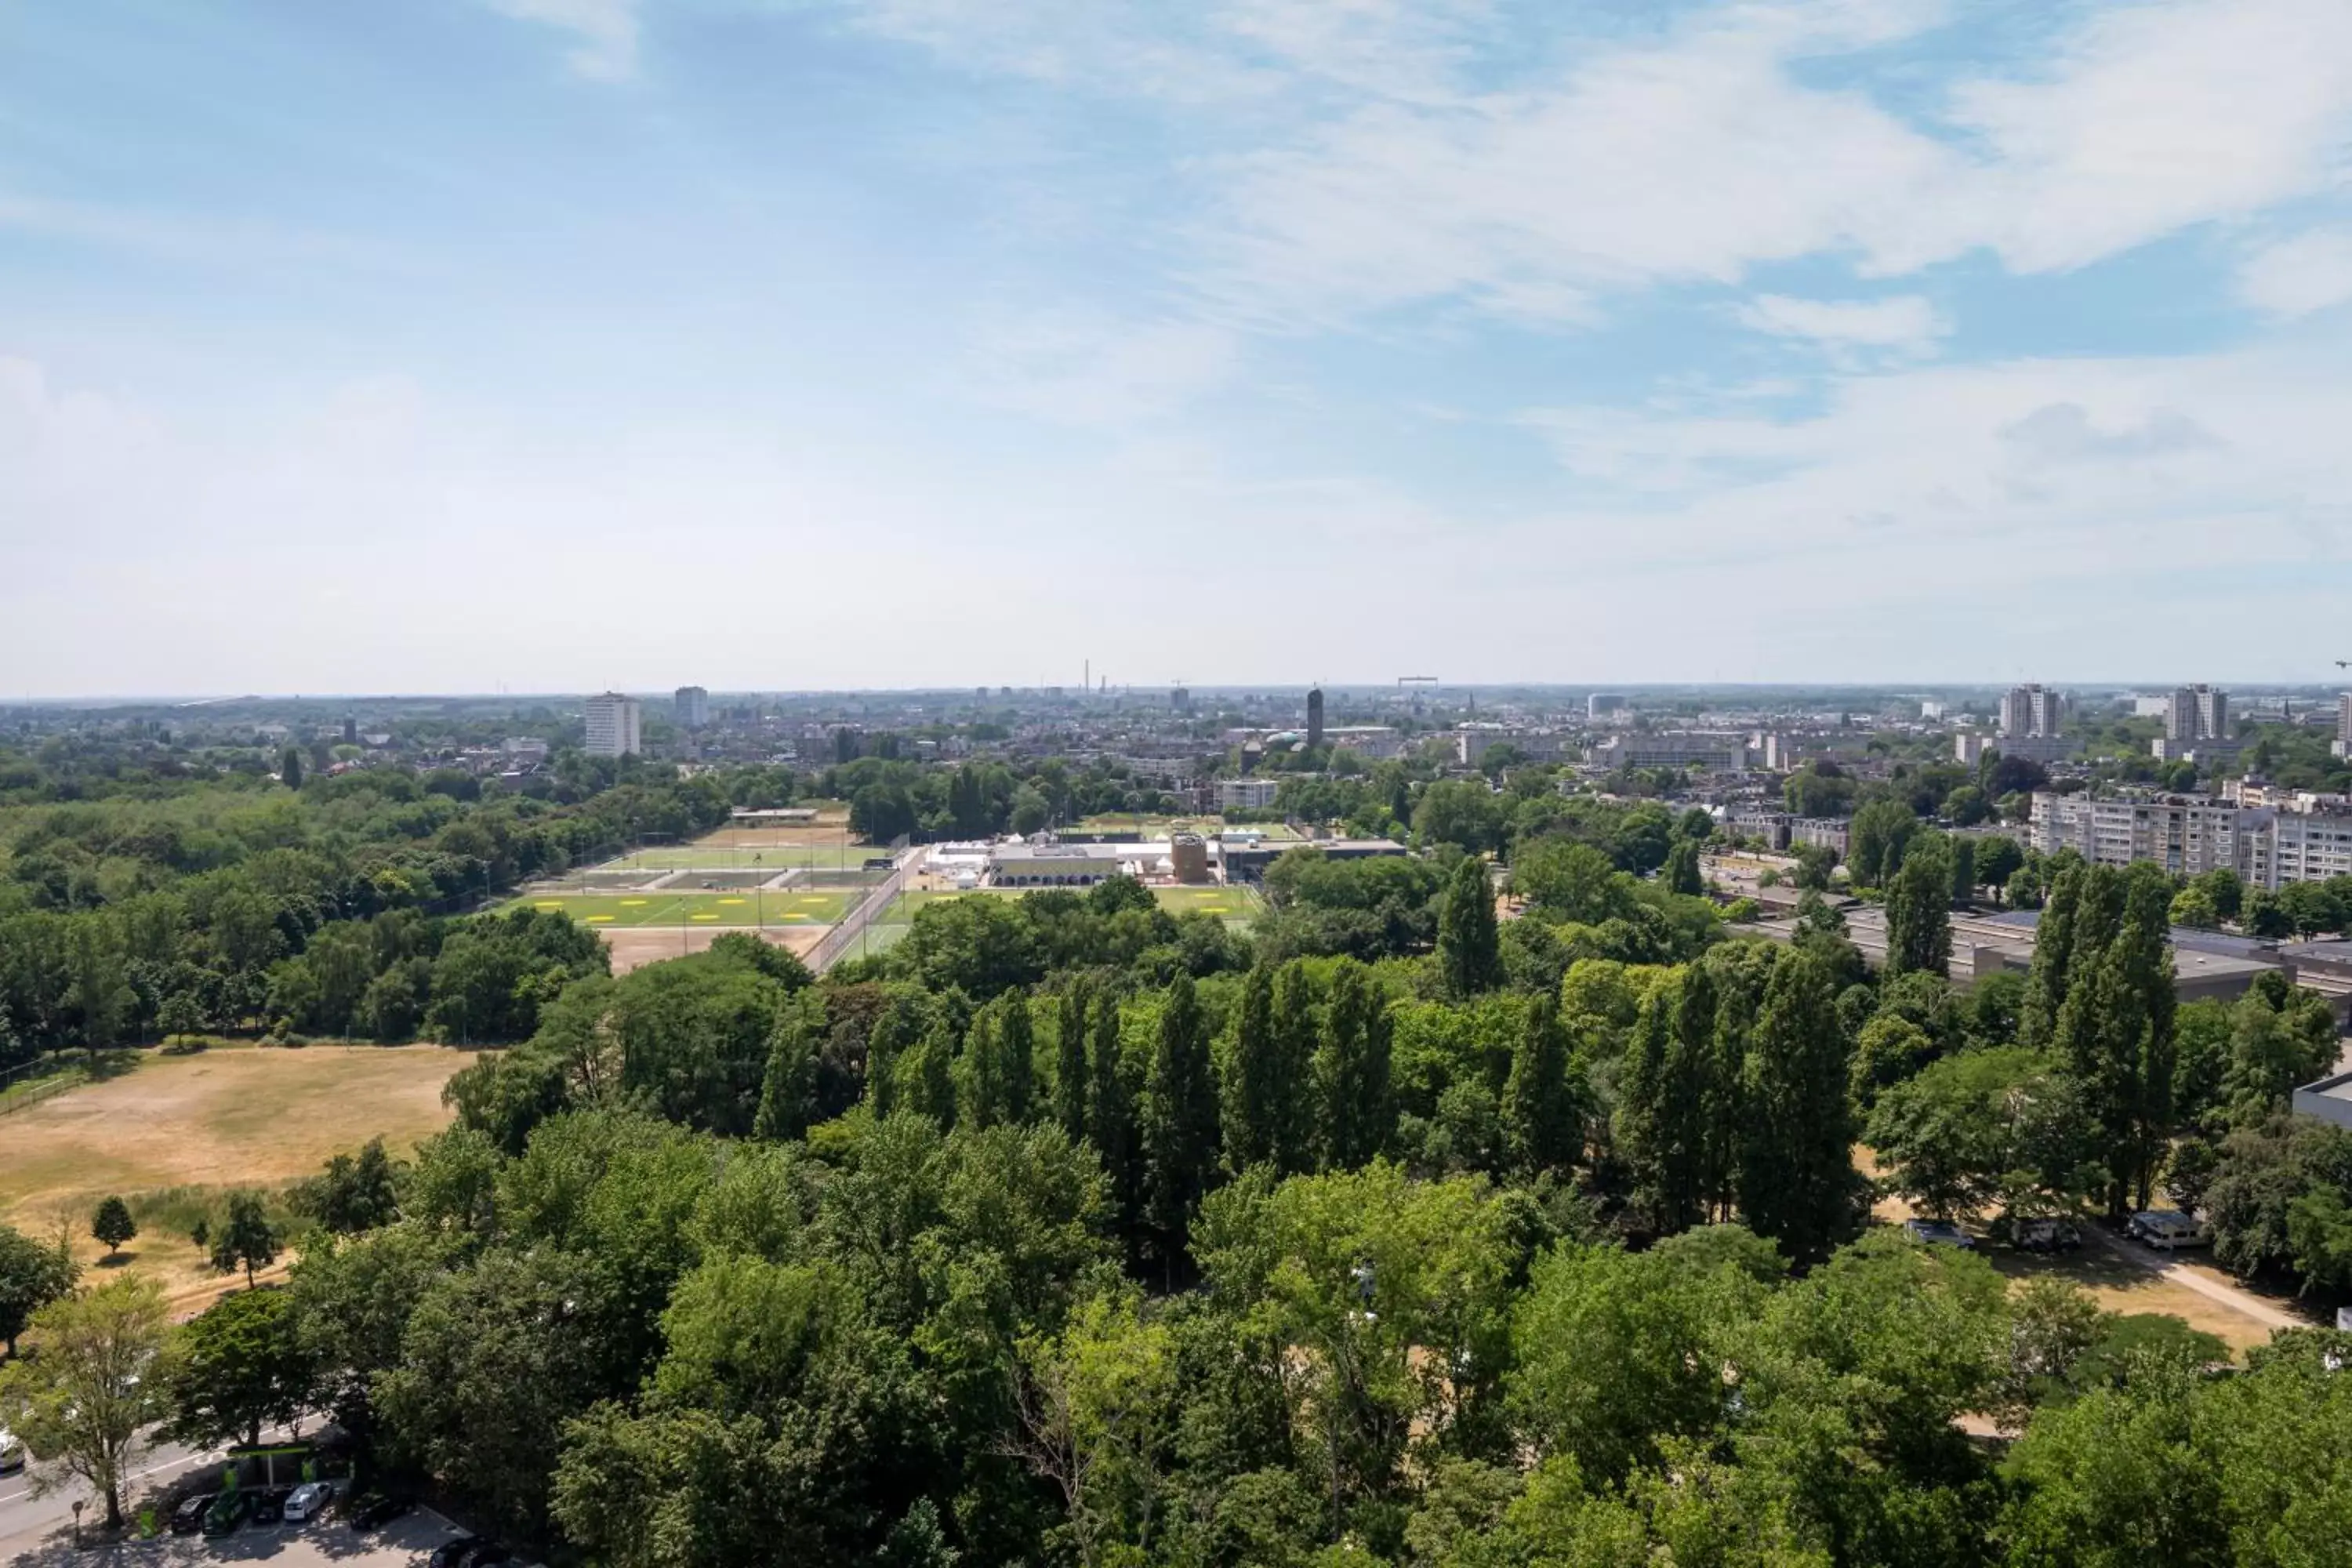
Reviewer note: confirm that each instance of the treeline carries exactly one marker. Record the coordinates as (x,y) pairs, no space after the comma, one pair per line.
(889,796)
(194,905)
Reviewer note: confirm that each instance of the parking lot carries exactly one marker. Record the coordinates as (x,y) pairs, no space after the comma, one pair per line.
(402,1543)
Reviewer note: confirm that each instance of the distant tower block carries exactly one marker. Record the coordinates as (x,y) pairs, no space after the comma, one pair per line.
(1315,719)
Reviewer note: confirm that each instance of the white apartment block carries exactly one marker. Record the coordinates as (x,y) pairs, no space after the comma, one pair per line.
(1674,748)
(1246,795)
(2267,846)
(614,726)
(692,704)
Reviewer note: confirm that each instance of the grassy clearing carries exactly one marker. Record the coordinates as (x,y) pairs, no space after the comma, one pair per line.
(743,907)
(1234,904)
(174,1136)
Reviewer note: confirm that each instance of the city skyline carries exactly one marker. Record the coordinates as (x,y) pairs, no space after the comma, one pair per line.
(557,343)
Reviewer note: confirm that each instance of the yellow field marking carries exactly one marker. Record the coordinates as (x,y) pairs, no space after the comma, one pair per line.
(549,904)
(706,917)
(632,901)
(595,919)
(734,900)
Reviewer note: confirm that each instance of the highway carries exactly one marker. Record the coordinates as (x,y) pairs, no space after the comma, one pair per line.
(837,943)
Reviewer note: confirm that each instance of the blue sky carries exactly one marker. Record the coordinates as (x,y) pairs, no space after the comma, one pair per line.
(785,344)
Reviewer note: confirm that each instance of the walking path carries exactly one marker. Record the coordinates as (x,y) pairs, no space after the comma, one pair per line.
(2246,1302)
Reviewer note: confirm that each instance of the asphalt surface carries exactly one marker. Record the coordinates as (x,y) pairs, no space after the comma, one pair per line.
(23,1514)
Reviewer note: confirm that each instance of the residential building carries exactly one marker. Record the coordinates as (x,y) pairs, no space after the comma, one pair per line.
(1246,795)
(1603,704)
(2030,711)
(2267,845)
(1969,745)
(1314,717)
(693,708)
(615,723)
(1673,749)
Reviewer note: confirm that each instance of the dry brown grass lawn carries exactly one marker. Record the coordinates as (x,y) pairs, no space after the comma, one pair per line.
(633,947)
(217,1119)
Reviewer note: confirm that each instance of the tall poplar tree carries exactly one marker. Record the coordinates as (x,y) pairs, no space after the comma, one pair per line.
(994,1074)
(1797,1181)
(1469,949)
(1358,1116)
(2053,957)
(1539,1112)
(1180,1125)
(1111,1121)
(1253,1089)
(1297,1105)
(1918,910)
(1663,1099)
(1070,1077)
(2114,1032)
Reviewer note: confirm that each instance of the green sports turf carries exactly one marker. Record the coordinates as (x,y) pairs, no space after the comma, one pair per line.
(735,908)
(773,856)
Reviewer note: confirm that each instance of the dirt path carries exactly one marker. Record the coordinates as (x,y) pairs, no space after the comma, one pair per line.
(2203,1281)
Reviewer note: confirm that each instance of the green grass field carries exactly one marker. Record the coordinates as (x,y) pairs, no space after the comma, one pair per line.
(737,908)
(1233,903)
(718,858)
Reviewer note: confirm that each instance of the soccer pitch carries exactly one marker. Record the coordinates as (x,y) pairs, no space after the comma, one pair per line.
(737,909)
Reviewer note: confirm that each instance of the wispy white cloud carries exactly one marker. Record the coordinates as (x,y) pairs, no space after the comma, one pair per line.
(2296,276)
(1905,323)
(603,32)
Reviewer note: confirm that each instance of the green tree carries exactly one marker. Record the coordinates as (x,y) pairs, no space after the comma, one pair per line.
(1255,1094)
(355,1193)
(84,1405)
(1997,860)
(1682,874)
(1179,1123)
(1996,1126)
(1876,841)
(1359,1111)
(245,1239)
(31,1277)
(1797,1184)
(2114,1030)
(289,768)
(1111,1120)
(1097,1408)
(1297,1105)
(995,1073)
(1070,1075)
(112,1223)
(1918,910)
(788,1088)
(1469,951)
(1664,1097)
(238,1366)
(1541,1126)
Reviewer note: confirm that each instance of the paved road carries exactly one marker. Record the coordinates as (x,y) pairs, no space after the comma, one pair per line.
(837,943)
(2167,1266)
(22,1514)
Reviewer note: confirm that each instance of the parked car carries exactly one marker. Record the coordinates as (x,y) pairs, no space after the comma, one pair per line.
(228,1510)
(454,1553)
(307,1500)
(373,1508)
(1939,1233)
(269,1507)
(188,1513)
(2167,1229)
(11,1453)
(2048,1234)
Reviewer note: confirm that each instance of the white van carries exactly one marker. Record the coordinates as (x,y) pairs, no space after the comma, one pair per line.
(2167,1229)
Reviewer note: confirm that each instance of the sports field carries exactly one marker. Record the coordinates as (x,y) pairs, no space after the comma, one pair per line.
(1149,827)
(662,908)
(780,856)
